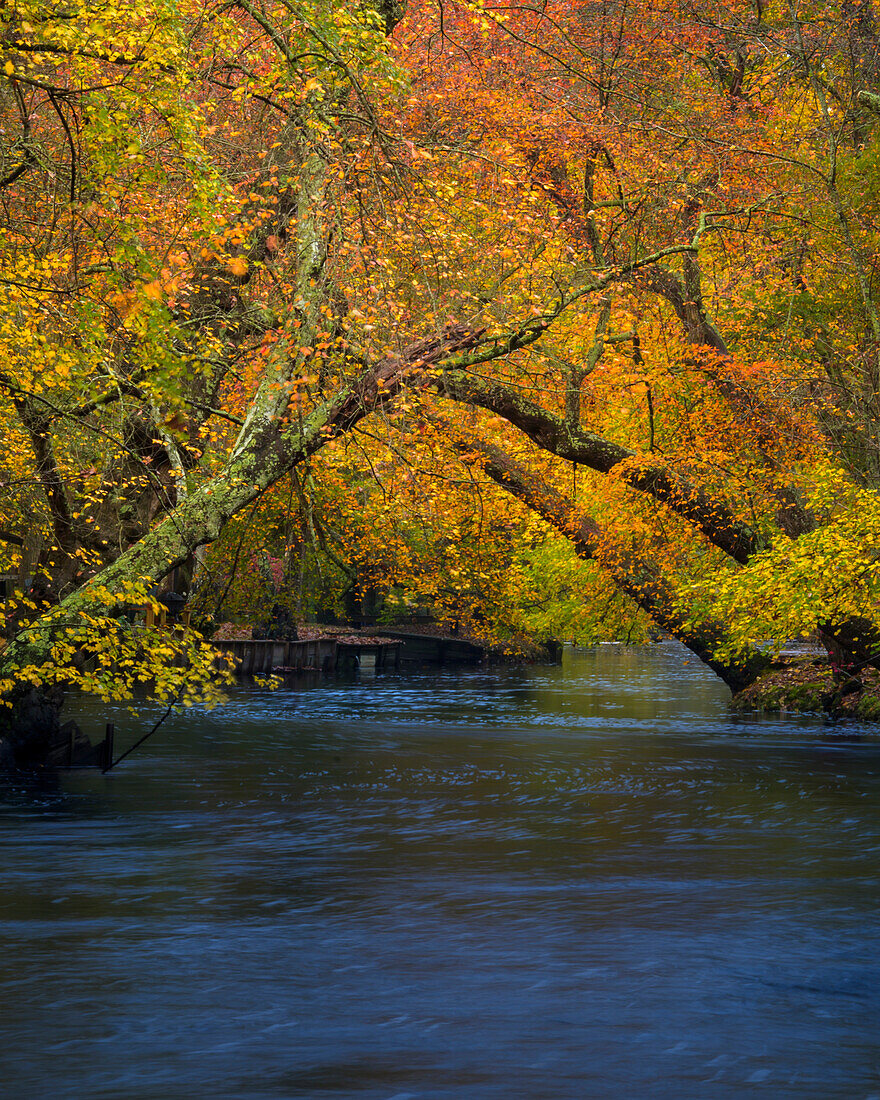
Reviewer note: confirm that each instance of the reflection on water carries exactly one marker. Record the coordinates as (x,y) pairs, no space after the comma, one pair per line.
(508,883)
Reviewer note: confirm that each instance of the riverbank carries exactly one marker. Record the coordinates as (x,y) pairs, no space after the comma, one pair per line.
(809,687)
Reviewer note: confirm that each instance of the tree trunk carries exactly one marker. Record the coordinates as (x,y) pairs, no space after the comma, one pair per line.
(642,581)
(585,448)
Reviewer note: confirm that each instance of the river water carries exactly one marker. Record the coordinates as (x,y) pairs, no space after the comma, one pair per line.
(516,884)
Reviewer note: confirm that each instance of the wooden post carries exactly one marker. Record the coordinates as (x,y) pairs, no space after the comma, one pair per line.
(107,762)
(155,619)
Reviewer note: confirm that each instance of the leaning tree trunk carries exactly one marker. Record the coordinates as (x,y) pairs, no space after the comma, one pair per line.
(584,448)
(641,580)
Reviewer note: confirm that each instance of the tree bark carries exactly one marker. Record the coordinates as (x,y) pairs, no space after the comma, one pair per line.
(585,448)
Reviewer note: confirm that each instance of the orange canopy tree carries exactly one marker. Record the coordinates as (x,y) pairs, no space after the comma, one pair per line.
(695,187)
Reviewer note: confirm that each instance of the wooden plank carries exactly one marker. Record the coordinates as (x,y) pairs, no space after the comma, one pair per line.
(261,656)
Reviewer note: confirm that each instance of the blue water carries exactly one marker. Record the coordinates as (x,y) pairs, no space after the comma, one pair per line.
(586,881)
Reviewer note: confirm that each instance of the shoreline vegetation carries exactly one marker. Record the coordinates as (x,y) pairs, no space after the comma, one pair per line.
(813,686)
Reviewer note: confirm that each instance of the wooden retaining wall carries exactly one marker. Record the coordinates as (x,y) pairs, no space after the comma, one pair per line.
(259,657)
(433,649)
(381,656)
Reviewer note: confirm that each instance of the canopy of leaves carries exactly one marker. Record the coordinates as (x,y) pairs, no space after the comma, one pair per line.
(604,270)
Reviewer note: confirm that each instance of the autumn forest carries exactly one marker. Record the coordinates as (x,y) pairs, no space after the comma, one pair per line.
(542,319)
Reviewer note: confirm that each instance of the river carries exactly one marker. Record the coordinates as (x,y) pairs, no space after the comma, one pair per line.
(494,884)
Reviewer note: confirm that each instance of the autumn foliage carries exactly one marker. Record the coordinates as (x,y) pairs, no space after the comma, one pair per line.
(530,318)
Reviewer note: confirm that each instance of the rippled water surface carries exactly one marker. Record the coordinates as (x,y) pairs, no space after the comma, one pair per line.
(586,881)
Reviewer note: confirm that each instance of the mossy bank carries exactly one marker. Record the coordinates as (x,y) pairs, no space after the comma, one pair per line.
(810,687)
